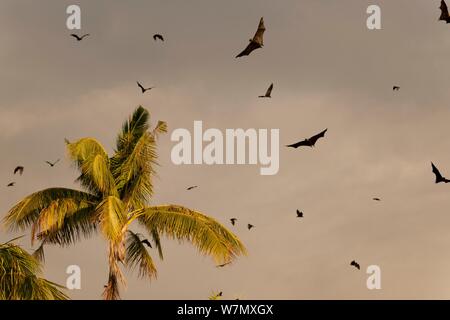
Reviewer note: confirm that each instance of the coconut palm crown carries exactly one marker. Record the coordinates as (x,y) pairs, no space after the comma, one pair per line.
(116,193)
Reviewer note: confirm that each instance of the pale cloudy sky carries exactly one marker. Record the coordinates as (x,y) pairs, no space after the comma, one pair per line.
(329,71)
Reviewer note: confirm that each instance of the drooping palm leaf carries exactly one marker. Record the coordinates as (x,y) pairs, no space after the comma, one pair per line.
(27,211)
(137,256)
(209,236)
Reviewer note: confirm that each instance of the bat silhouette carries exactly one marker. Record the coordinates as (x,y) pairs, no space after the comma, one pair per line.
(78,37)
(223,265)
(52,164)
(268,92)
(395,88)
(257,41)
(158,36)
(308,142)
(145,241)
(355,264)
(439,177)
(444,12)
(299,214)
(250,226)
(190,188)
(18,169)
(11,184)
(142,87)
(233,221)
(376,199)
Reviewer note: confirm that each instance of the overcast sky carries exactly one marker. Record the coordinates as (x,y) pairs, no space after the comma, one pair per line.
(329,71)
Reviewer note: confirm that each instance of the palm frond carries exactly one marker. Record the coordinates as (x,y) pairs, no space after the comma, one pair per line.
(138,256)
(209,236)
(27,211)
(112,216)
(82,223)
(92,160)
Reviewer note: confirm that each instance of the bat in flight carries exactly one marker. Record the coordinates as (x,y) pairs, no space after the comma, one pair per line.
(395,88)
(299,214)
(19,170)
(158,37)
(376,199)
(268,92)
(355,264)
(233,221)
(142,87)
(444,12)
(309,142)
(439,177)
(79,38)
(250,226)
(190,188)
(52,164)
(145,241)
(256,42)
(11,184)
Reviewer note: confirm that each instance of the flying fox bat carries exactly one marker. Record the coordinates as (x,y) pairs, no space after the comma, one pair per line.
(79,38)
(257,41)
(308,142)
(158,36)
(355,264)
(18,169)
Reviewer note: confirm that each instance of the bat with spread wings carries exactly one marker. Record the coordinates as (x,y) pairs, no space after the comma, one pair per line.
(444,12)
(309,142)
(257,41)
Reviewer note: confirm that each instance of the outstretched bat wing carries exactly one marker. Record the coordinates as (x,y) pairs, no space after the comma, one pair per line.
(259,35)
(444,11)
(269,90)
(303,143)
(251,46)
(314,139)
(436,173)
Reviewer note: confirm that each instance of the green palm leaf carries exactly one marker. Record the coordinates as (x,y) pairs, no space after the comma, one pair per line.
(138,256)
(209,236)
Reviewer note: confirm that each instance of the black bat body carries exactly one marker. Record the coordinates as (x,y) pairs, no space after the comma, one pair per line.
(395,88)
(439,177)
(355,264)
(78,37)
(158,37)
(233,221)
(309,142)
(299,214)
(52,164)
(250,226)
(18,169)
(142,87)
(11,184)
(376,199)
(190,188)
(145,241)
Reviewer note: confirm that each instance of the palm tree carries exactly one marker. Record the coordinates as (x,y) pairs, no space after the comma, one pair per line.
(116,193)
(19,276)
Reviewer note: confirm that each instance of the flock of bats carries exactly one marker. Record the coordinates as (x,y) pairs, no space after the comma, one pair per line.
(257,42)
